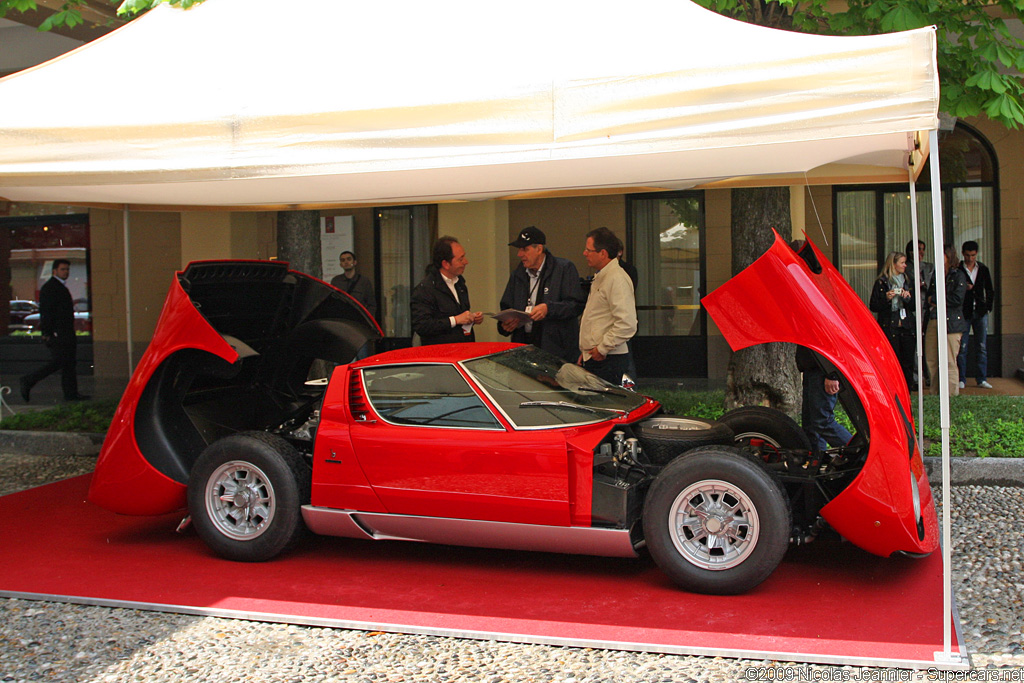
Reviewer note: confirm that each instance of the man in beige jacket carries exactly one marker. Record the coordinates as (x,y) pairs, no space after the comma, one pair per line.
(609,319)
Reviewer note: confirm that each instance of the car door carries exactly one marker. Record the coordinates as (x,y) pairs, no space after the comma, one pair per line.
(435,448)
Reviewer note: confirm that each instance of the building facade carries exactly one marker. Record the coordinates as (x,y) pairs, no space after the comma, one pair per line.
(680,243)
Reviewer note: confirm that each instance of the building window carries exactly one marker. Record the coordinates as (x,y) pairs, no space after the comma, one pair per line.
(873,221)
(665,235)
(403,237)
(35,243)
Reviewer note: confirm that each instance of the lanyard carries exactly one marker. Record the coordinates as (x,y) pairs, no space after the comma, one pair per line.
(535,283)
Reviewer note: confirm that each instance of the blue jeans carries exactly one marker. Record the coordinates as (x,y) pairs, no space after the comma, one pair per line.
(818,414)
(978,325)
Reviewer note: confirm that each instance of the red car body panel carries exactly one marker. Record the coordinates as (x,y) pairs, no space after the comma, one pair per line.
(124,480)
(780,298)
(541,476)
(338,478)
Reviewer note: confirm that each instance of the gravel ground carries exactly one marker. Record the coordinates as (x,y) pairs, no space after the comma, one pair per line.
(47,641)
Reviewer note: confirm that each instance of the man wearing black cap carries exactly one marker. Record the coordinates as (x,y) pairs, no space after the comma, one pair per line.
(548,288)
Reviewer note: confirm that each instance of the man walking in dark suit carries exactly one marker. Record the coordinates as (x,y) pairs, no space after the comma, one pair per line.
(440,303)
(978,304)
(548,288)
(57,323)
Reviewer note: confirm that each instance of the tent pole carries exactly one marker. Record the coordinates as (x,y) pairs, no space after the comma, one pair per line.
(940,319)
(128,289)
(917,311)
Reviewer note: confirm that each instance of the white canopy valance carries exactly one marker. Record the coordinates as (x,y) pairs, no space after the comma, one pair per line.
(255,103)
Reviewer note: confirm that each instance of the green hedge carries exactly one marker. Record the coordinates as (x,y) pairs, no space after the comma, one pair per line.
(979,425)
(80,416)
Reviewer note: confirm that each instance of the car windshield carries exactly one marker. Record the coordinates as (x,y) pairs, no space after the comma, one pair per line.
(534,388)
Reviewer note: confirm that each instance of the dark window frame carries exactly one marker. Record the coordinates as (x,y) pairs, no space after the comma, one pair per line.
(651,351)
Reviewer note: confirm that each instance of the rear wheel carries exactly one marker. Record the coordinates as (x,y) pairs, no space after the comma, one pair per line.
(716,521)
(245,496)
(765,431)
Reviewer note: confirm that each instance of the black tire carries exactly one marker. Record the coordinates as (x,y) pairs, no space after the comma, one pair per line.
(717,482)
(665,437)
(265,517)
(766,431)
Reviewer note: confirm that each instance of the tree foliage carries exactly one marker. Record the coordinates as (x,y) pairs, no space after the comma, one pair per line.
(980,59)
(70,13)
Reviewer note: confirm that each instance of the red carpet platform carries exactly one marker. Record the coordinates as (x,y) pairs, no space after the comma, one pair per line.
(828,602)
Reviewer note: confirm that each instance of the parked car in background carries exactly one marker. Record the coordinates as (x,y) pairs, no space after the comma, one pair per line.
(83,317)
(21,309)
(248,411)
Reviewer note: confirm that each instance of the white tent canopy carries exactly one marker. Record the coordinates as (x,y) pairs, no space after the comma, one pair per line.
(246,103)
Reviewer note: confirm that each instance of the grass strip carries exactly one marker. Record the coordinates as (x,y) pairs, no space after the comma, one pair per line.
(983,426)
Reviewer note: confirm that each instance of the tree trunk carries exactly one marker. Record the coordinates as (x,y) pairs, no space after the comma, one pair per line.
(298,241)
(765,374)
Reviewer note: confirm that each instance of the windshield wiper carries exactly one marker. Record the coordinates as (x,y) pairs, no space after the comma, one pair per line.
(566,404)
(596,390)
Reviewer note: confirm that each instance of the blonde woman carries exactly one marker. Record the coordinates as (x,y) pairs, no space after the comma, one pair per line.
(892,299)
(956,324)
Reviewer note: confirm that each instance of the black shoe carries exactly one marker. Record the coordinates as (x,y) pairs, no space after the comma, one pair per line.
(77,397)
(25,389)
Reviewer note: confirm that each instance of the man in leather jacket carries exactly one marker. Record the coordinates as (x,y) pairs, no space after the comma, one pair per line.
(548,289)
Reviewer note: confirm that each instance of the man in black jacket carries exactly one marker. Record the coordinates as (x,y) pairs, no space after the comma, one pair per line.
(978,304)
(440,303)
(548,289)
(354,284)
(57,323)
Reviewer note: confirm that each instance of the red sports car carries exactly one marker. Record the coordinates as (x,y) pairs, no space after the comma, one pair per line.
(248,410)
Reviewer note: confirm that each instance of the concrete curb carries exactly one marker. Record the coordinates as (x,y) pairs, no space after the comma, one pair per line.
(17,442)
(977,471)
(963,471)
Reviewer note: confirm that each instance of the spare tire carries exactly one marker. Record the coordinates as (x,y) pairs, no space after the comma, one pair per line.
(666,436)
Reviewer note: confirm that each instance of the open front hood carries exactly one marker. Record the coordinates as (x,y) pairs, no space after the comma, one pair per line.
(781,298)
(236,343)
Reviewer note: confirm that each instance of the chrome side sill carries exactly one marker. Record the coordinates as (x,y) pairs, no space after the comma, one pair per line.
(469,532)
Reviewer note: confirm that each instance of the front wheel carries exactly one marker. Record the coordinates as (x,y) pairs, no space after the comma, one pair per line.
(245,495)
(716,521)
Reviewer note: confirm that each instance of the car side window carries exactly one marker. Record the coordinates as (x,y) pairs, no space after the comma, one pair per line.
(426,395)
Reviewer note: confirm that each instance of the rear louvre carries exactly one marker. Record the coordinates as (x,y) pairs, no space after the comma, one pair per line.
(357,402)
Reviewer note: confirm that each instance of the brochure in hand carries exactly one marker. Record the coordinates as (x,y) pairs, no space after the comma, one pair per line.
(511,314)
